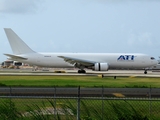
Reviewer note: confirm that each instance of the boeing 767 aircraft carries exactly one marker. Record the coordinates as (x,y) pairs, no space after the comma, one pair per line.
(94,61)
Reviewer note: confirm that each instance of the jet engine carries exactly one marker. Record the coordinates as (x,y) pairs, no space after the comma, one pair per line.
(101,66)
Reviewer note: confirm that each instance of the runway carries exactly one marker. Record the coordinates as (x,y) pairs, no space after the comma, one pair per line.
(84,92)
(53,72)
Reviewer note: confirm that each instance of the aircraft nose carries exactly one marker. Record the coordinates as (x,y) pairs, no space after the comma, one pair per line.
(156,61)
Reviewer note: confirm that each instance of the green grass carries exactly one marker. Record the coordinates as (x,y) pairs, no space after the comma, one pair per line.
(89,109)
(83,81)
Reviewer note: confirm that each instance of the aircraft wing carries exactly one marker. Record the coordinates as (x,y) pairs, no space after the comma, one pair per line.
(15,57)
(75,60)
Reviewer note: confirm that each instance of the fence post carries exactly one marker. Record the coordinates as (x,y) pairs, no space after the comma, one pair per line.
(102,101)
(150,102)
(10,91)
(78,104)
(55,110)
(10,100)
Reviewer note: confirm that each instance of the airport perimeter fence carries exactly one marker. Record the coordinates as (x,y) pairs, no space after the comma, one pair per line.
(76,107)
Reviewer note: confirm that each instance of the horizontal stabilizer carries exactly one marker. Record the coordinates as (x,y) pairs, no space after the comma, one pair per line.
(16,57)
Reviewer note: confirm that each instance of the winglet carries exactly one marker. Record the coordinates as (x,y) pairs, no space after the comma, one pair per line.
(16,43)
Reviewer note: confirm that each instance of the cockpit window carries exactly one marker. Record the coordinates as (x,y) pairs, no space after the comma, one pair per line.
(152,58)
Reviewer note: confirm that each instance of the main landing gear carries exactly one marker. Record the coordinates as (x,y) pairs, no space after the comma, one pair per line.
(81,71)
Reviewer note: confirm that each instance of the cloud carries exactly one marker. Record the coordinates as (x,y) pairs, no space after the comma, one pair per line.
(30,6)
(124,0)
(19,6)
(120,1)
(141,39)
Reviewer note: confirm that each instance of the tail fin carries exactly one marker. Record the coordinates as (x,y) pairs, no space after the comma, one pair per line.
(16,43)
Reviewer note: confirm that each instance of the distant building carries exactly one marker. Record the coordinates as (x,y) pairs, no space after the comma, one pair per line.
(11,64)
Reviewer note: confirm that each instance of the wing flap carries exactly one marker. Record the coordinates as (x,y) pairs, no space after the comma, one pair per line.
(16,57)
(76,60)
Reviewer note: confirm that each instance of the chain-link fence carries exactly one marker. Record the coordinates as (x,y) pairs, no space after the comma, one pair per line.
(79,107)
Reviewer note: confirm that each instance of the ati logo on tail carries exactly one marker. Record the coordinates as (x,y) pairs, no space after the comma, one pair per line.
(126,58)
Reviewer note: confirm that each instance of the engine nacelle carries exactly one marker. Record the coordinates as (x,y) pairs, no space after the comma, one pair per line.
(101,66)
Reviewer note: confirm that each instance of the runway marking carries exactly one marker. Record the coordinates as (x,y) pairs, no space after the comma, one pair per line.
(59,71)
(101,76)
(132,76)
(119,95)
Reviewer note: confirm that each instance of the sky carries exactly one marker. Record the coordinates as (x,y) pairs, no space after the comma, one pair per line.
(94,26)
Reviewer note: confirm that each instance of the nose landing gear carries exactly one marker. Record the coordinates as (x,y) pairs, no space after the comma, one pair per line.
(145,71)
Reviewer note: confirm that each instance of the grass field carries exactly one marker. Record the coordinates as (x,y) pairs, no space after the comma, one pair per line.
(83,81)
(91,109)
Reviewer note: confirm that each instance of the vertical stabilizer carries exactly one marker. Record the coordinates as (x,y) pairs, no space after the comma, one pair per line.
(16,43)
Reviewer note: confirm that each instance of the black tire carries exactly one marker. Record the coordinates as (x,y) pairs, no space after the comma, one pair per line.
(145,72)
(81,71)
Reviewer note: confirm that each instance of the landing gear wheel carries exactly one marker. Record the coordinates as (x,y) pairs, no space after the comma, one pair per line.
(145,72)
(81,71)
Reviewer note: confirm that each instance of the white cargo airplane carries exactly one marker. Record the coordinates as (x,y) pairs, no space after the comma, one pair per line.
(94,61)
